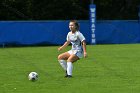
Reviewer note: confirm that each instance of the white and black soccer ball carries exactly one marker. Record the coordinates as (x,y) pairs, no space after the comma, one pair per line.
(33,76)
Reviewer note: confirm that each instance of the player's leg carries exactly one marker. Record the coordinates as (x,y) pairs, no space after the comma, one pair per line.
(70,60)
(62,60)
(63,56)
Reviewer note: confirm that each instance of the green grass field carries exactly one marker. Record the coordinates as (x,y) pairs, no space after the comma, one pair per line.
(108,69)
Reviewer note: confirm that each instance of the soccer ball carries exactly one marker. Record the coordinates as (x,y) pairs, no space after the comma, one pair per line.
(33,76)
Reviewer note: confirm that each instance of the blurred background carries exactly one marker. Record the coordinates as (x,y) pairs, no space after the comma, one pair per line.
(68,9)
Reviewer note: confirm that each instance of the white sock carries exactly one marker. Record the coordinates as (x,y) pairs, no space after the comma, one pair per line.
(69,68)
(63,64)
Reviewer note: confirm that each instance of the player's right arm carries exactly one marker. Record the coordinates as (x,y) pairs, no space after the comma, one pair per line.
(64,45)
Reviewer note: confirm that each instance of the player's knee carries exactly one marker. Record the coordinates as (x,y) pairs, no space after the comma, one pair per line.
(59,57)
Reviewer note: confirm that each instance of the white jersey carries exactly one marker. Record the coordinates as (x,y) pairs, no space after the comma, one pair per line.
(75,39)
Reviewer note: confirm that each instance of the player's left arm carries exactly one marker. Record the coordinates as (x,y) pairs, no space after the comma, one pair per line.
(83,41)
(84,48)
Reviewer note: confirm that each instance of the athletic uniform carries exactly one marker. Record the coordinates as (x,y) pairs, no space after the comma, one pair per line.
(76,39)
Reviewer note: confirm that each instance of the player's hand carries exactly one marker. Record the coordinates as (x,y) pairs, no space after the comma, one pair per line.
(85,54)
(60,48)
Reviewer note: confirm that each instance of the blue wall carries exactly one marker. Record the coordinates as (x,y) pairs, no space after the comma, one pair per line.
(117,32)
(37,32)
(54,32)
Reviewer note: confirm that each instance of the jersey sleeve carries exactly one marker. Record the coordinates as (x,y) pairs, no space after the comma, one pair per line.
(81,37)
(67,38)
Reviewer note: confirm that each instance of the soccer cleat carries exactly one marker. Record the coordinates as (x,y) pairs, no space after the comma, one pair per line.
(66,74)
(69,76)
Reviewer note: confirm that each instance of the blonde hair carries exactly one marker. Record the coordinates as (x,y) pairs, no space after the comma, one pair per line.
(76,24)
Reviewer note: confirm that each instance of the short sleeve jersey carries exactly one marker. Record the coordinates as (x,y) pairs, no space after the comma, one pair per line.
(76,39)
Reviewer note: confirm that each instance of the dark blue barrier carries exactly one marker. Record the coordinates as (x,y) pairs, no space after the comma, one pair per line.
(54,32)
(31,33)
(117,32)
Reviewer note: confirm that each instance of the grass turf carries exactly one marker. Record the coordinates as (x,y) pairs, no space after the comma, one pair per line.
(108,69)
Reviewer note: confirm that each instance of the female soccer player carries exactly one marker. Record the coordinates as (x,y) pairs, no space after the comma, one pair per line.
(76,38)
